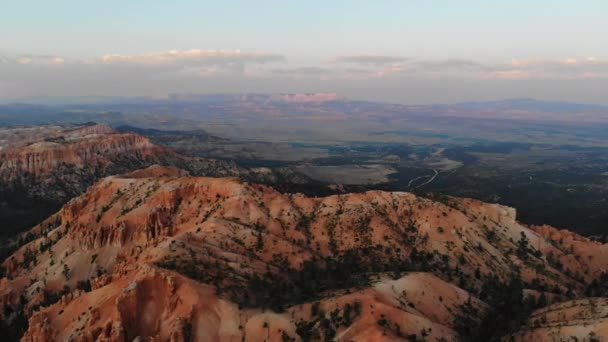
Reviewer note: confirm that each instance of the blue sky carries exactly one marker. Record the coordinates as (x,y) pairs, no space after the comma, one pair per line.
(515,40)
(492,29)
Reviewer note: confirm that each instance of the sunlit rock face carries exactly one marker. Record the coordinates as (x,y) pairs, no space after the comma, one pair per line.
(160,255)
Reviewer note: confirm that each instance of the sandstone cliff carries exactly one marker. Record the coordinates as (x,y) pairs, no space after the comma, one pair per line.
(42,168)
(159,255)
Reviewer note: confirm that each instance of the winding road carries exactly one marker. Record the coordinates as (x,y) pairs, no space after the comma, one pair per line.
(425,183)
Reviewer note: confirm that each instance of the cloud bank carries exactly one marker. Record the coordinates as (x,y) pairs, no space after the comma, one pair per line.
(381,77)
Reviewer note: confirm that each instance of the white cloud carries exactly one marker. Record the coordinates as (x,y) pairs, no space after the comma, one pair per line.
(376,60)
(193,57)
(234,70)
(33,60)
(558,69)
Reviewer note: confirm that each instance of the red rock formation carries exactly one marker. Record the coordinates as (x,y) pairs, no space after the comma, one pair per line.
(97,147)
(42,168)
(584,319)
(169,258)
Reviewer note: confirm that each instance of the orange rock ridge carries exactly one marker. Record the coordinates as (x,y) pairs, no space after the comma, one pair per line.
(137,238)
(87,145)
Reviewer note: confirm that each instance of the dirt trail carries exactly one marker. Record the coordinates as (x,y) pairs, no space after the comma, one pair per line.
(413,180)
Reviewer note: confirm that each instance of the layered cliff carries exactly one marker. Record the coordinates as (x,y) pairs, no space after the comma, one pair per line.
(160,255)
(42,168)
(41,158)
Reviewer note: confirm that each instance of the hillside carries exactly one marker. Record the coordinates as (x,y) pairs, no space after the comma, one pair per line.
(43,167)
(164,256)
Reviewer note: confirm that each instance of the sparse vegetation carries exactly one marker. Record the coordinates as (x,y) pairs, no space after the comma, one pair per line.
(66,272)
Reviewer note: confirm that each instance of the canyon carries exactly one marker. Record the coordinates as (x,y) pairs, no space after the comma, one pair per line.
(158,254)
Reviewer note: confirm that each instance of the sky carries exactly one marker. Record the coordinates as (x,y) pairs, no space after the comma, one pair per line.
(407,51)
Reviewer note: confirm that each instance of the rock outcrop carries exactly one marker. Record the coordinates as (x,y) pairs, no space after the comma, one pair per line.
(583,319)
(159,255)
(41,169)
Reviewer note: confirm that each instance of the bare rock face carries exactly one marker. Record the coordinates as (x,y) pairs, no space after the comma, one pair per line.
(160,255)
(585,319)
(42,168)
(91,146)
(18,137)
(39,159)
